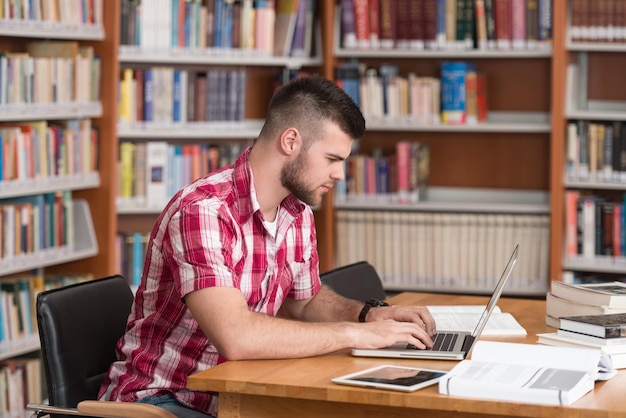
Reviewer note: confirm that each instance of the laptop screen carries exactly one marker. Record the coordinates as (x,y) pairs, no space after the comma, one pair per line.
(495,296)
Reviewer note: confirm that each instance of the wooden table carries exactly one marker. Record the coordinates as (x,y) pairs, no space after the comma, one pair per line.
(302,387)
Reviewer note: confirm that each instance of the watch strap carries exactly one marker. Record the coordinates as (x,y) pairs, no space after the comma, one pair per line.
(369,304)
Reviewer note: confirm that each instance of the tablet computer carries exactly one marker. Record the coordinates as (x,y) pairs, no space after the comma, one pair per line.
(402,378)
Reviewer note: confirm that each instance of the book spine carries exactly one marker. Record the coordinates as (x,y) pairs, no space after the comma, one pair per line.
(532,24)
(503,24)
(298,46)
(177,96)
(374,23)
(348,30)
(388,16)
(361,23)
(441,24)
(471,97)
(402,24)
(148,89)
(415,16)
(490,24)
(481,25)
(545,21)
(429,16)
(571,222)
(518,24)
(453,87)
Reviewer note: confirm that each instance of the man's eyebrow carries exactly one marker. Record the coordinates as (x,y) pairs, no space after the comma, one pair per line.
(337,156)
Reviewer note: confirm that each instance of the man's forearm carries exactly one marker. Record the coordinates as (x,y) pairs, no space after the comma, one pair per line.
(327,305)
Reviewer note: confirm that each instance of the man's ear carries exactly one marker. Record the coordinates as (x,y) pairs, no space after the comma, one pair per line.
(290,141)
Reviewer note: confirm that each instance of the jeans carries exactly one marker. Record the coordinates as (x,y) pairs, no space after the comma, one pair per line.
(169,403)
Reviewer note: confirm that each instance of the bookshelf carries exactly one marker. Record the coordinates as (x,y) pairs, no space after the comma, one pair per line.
(590,95)
(520,148)
(262,71)
(86,193)
(500,166)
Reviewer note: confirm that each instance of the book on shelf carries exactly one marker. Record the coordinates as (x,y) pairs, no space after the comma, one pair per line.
(453,91)
(603,326)
(374,23)
(532,23)
(125,178)
(285,25)
(347,76)
(571,222)
(429,19)
(518,24)
(465,318)
(465,24)
(416,22)
(264,18)
(542,374)
(388,14)
(615,352)
(348,30)
(156,173)
(403,24)
(302,43)
(503,20)
(472,114)
(361,23)
(610,294)
(481,24)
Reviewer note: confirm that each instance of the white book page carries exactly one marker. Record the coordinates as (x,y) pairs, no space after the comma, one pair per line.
(459,309)
(570,358)
(484,372)
(465,318)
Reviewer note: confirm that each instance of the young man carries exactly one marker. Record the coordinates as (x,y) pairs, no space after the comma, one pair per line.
(231,269)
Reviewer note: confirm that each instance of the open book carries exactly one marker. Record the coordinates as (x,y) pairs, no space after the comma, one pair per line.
(525,373)
(465,318)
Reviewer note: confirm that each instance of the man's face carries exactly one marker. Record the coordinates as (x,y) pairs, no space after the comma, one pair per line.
(314,172)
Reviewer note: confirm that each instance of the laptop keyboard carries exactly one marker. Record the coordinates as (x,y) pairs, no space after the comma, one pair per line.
(443,341)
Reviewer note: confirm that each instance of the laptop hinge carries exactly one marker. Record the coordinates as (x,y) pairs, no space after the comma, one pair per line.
(467,344)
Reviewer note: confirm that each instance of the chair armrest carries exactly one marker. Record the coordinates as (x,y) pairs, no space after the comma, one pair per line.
(103,409)
(110,409)
(40,410)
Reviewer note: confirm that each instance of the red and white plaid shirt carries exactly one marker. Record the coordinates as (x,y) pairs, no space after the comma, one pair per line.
(210,234)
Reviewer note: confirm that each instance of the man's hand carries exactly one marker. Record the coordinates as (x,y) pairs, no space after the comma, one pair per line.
(386,332)
(418,315)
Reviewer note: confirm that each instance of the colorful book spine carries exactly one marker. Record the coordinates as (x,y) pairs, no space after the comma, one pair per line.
(362,23)
(388,16)
(453,92)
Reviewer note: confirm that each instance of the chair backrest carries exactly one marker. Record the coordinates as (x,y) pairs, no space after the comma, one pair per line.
(358,281)
(79,326)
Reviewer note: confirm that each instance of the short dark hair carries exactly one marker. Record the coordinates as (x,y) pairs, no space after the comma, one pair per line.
(306,102)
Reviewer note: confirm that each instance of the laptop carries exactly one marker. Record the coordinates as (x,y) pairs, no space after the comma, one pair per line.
(449,345)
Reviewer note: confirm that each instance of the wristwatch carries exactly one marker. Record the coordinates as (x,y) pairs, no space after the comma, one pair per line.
(369,304)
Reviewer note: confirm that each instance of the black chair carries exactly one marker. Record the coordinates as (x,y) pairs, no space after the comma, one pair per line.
(79,326)
(359,281)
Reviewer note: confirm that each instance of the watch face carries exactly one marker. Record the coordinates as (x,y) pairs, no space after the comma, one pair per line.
(376,303)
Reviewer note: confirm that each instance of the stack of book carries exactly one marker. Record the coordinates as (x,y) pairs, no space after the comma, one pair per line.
(566,299)
(604,332)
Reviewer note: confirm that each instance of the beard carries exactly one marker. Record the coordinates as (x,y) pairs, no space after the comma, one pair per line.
(291,177)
